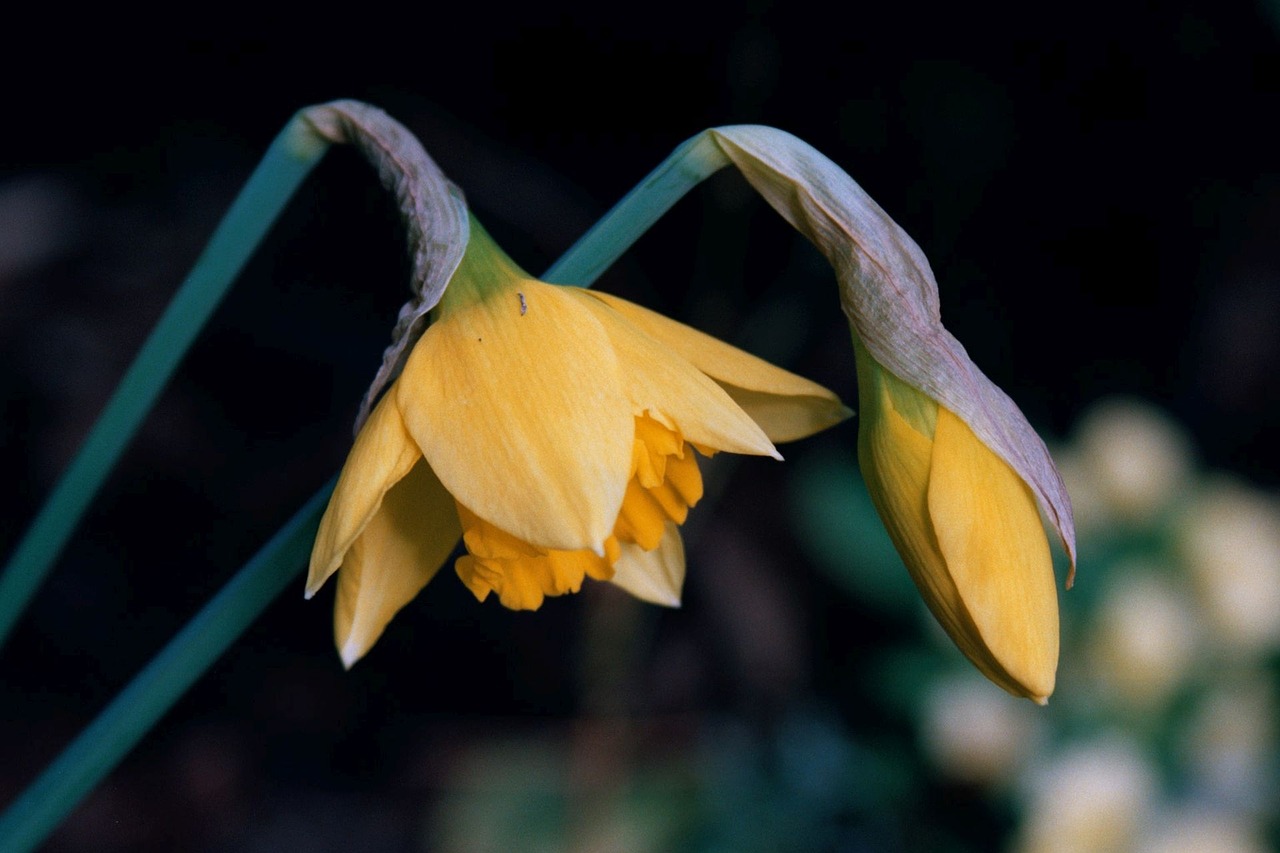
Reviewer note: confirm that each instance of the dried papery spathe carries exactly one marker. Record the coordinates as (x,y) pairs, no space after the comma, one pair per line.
(890,296)
(433,209)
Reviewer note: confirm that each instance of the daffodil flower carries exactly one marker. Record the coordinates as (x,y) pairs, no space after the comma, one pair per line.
(556,431)
(957,474)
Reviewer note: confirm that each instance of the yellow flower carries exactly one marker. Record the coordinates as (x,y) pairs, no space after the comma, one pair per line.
(554,430)
(956,472)
(967,528)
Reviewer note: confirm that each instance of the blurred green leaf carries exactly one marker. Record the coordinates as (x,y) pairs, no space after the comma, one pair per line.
(842,532)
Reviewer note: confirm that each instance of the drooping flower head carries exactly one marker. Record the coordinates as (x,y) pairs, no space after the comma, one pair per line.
(957,474)
(555,430)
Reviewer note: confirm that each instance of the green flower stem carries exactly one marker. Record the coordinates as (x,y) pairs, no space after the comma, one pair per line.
(102,745)
(690,164)
(289,159)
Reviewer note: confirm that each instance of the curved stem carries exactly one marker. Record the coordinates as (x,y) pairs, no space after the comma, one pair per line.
(105,741)
(693,162)
(289,159)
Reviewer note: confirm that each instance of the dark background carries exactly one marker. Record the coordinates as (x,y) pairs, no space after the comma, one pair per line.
(1096,187)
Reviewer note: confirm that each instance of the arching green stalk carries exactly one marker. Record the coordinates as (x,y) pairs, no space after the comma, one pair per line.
(287,162)
(105,741)
(690,164)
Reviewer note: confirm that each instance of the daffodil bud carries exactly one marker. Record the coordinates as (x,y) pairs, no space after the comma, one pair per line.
(954,469)
(967,528)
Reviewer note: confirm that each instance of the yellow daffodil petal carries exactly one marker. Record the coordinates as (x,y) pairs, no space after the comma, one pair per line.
(400,550)
(786,406)
(967,529)
(994,545)
(656,576)
(895,460)
(788,418)
(673,391)
(382,454)
(517,402)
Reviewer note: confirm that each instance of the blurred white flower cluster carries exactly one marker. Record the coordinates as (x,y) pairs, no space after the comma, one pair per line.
(1162,735)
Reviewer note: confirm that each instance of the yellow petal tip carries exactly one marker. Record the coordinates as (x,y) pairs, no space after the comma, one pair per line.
(350,653)
(316,581)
